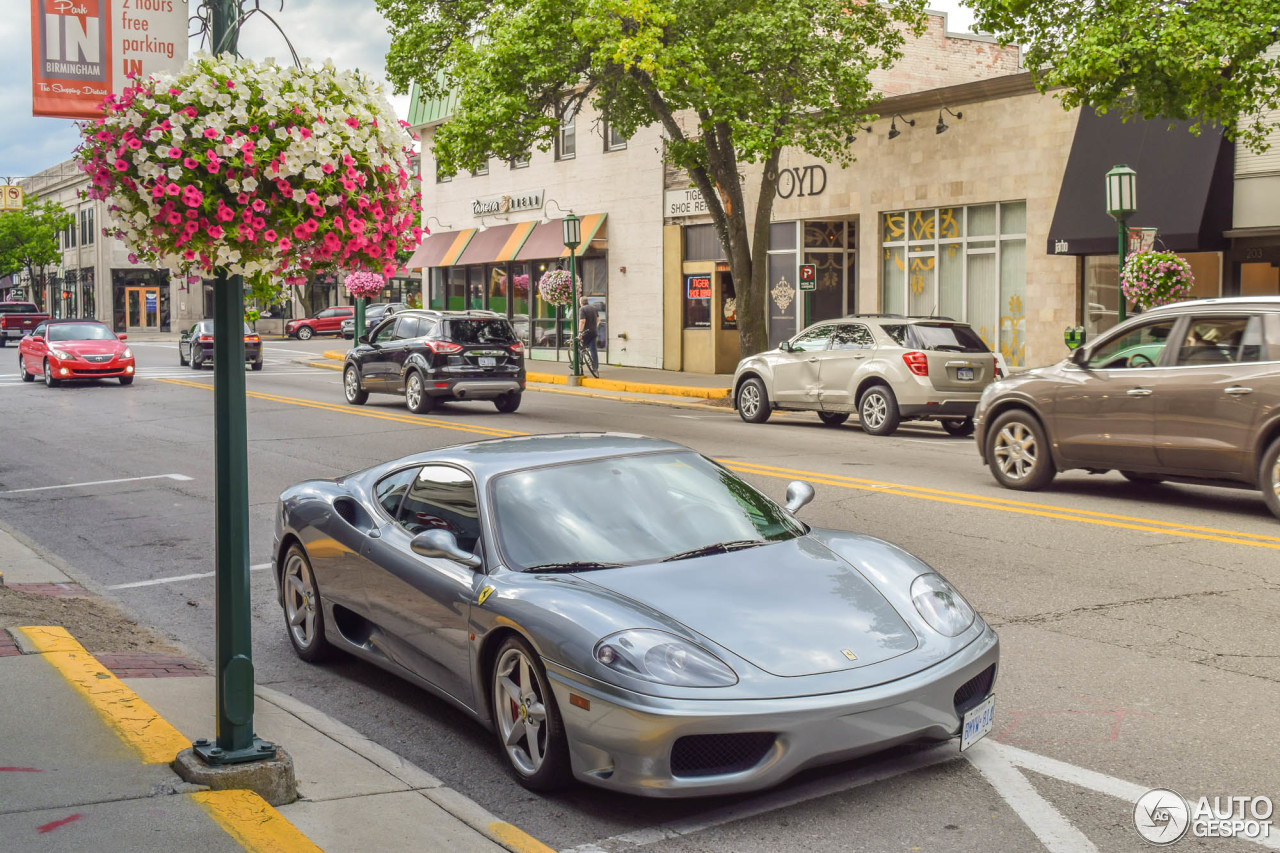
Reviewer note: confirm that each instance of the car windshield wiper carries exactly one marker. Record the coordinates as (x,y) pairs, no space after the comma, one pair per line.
(574,566)
(716,548)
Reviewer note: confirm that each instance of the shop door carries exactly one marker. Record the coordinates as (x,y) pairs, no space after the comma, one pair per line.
(142,307)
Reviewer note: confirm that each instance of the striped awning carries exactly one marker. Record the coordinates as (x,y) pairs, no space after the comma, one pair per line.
(440,250)
(496,245)
(547,240)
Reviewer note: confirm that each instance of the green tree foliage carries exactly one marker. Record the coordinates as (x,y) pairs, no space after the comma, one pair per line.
(730,82)
(29,238)
(1205,61)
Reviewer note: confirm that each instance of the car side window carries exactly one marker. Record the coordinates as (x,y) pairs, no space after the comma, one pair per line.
(390,489)
(442,498)
(1221,340)
(406,327)
(854,336)
(1139,347)
(38,330)
(384,334)
(816,338)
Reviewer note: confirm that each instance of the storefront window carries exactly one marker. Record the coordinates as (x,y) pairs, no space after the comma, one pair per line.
(968,263)
(87,305)
(497,287)
(728,302)
(456,294)
(701,243)
(697,301)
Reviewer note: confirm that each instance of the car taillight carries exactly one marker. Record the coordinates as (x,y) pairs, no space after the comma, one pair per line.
(251,339)
(995,368)
(517,348)
(917,363)
(206,339)
(443,347)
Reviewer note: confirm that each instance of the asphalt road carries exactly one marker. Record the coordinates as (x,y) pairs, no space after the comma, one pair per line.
(1139,627)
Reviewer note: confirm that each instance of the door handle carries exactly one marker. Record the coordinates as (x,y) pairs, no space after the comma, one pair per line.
(375,533)
(1139,392)
(1239,390)
(812,360)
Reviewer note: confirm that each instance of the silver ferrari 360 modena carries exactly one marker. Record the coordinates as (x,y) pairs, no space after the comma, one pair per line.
(628,612)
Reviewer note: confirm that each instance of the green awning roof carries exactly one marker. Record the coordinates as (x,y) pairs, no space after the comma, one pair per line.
(430,110)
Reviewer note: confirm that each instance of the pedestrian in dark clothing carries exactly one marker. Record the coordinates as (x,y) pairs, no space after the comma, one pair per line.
(588,325)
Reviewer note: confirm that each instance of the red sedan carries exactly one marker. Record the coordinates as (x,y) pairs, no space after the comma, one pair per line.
(62,350)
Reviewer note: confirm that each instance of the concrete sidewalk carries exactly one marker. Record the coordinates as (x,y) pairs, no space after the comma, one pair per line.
(84,759)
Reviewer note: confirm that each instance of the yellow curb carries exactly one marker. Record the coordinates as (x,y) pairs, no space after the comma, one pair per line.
(633,387)
(136,722)
(517,839)
(572,392)
(250,820)
(323,365)
(335,355)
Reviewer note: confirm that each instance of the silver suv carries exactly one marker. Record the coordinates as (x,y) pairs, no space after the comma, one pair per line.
(885,367)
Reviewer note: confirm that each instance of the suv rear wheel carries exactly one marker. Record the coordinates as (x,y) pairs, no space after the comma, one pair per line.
(416,396)
(508,402)
(961,428)
(833,418)
(753,402)
(1018,452)
(1269,477)
(878,411)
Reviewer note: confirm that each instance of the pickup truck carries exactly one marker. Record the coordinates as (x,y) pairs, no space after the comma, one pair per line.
(17,319)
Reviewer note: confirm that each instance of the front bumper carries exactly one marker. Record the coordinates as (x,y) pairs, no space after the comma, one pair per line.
(624,742)
(91,370)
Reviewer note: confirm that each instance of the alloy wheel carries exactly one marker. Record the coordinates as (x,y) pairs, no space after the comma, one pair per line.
(1275,480)
(875,409)
(351,383)
(413,392)
(749,401)
(1016,451)
(300,601)
(521,711)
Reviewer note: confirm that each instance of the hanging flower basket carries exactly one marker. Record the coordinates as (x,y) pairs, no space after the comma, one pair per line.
(1156,278)
(255,168)
(556,287)
(364,285)
(520,285)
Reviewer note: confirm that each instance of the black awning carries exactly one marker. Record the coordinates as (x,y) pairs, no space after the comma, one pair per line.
(1184,185)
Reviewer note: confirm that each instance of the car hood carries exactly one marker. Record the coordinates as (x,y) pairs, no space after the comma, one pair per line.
(89,347)
(792,608)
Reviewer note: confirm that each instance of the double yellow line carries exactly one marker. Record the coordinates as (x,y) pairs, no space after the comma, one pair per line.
(1082,516)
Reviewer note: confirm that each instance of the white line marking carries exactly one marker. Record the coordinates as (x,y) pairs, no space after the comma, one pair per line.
(1055,832)
(180,477)
(1070,773)
(176,578)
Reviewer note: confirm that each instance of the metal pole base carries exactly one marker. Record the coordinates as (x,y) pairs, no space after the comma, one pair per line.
(210,753)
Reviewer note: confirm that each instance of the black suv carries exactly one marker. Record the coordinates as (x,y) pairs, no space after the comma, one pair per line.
(431,356)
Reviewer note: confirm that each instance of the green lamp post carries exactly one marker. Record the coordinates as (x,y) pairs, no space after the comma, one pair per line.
(572,240)
(1122,202)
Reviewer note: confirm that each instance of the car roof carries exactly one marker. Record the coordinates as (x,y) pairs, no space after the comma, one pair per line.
(76,320)
(473,314)
(495,456)
(1271,302)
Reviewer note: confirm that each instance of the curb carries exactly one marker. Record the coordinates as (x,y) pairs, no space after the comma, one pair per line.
(588,382)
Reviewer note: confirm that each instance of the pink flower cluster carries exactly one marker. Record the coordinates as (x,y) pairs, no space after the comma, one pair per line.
(249,187)
(520,284)
(556,287)
(1156,278)
(364,285)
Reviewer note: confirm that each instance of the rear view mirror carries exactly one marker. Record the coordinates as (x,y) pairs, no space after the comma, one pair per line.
(442,543)
(799,493)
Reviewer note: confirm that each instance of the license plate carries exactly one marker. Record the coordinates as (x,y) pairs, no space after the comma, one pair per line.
(964,373)
(978,722)
(488,361)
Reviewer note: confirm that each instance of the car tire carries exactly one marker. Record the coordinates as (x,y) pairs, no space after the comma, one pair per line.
(833,418)
(878,411)
(126,380)
(1269,477)
(520,695)
(1139,477)
(49,381)
(959,428)
(305,333)
(356,396)
(303,609)
(197,363)
(415,394)
(1018,452)
(753,402)
(182,359)
(22,368)
(257,365)
(508,402)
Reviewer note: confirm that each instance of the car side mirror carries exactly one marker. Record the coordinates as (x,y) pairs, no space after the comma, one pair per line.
(442,543)
(122,336)
(1080,357)
(35,338)
(785,346)
(799,493)
(364,339)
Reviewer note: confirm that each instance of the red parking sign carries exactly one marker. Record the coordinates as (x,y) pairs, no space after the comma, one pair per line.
(808,276)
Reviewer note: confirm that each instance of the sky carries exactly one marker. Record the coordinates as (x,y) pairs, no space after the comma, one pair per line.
(350,32)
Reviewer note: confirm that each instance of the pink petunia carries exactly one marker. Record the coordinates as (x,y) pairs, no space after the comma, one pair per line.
(284,244)
(210,133)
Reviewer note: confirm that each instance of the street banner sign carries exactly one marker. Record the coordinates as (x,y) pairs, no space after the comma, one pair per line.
(808,277)
(1142,239)
(81,50)
(11,197)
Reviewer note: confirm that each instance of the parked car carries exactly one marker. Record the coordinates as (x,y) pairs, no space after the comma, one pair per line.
(686,637)
(18,319)
(64,350)
(885,367)
(195,346)
(436,356)
(373,315)
(1187,392)
(327,322)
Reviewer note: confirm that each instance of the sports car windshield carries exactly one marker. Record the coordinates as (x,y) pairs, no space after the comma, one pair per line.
(630,509)
(80,332)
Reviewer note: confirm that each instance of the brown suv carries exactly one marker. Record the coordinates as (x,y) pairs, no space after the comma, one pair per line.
(1187,392)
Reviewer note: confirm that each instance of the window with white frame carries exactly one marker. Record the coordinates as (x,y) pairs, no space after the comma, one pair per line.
(566,140)
(613,140)
(483,170)
(520,162)
(441,177)
(968,263)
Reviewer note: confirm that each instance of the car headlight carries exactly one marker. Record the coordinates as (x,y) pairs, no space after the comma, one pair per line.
(61,355)
(941,606)
(663,658)
(128,353)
